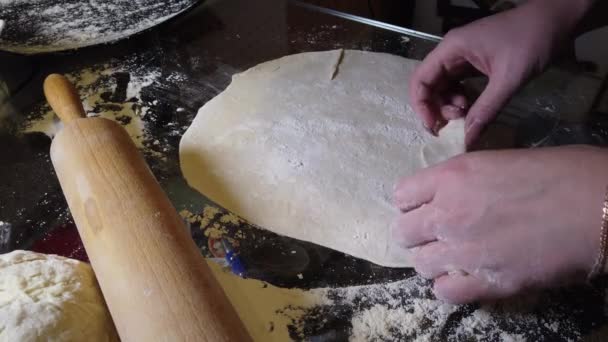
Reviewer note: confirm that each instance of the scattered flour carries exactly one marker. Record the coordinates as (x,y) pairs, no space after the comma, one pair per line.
(276,314)
(112,91)
(93,84)
(11,2)
(403,310)
(380,322)
(504,337)
(399,310)
(5,234)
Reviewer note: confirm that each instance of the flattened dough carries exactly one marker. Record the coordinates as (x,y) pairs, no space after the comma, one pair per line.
(311,145)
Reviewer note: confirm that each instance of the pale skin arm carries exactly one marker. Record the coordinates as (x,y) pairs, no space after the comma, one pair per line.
(488,225)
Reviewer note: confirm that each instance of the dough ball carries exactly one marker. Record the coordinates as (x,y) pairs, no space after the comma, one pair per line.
(51,298)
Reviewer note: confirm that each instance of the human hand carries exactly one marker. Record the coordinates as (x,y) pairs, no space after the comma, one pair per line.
(488,225)
(508,48)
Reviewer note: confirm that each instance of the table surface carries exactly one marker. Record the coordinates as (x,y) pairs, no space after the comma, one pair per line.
(192,59)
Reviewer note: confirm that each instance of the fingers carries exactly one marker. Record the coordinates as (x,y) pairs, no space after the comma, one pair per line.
(459,100)
(431,79)
(438,258)
(415,228)
(443,263)
(492,99)
(421,102)
(460,288)
(421,86)
(451,112)
(414,191)
(454,105)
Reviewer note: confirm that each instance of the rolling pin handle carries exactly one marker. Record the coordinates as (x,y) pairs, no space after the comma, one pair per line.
(63,98)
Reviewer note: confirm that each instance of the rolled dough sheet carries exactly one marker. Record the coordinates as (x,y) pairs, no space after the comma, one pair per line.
(311,145)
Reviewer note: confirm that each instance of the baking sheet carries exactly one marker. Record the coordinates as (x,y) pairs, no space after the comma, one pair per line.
(39,26)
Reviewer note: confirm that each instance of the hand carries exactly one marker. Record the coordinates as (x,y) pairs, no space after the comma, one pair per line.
(490,224)
(508,48)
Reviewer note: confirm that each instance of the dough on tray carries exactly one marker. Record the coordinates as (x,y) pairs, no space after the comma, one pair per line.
(311,145)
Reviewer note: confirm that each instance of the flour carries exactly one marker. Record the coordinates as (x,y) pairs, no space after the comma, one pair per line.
(399,310)
(92,84)
(486,321)
(379,322)
(113,91)
(403,310)
(5,231)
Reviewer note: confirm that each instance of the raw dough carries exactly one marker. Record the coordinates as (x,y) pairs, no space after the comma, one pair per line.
(311,145)
(51,298)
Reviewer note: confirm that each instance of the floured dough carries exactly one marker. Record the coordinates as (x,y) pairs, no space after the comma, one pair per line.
(51,298)
(311,145)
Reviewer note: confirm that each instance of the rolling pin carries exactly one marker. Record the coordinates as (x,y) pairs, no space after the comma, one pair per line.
(156,283)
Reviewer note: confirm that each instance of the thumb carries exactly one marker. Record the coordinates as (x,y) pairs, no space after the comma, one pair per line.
(460,288)
(497,93)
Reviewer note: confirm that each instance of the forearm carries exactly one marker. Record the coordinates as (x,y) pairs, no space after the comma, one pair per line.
(567,17)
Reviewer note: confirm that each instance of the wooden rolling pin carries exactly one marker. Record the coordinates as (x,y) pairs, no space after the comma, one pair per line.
(153,277)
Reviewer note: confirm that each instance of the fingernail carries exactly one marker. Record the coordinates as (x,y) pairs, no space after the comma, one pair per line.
(429,129)
(452,112)
(469,139)
(469,126)
(436,128)
(439,124)
(438,295)
(421,91)
(397,240)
